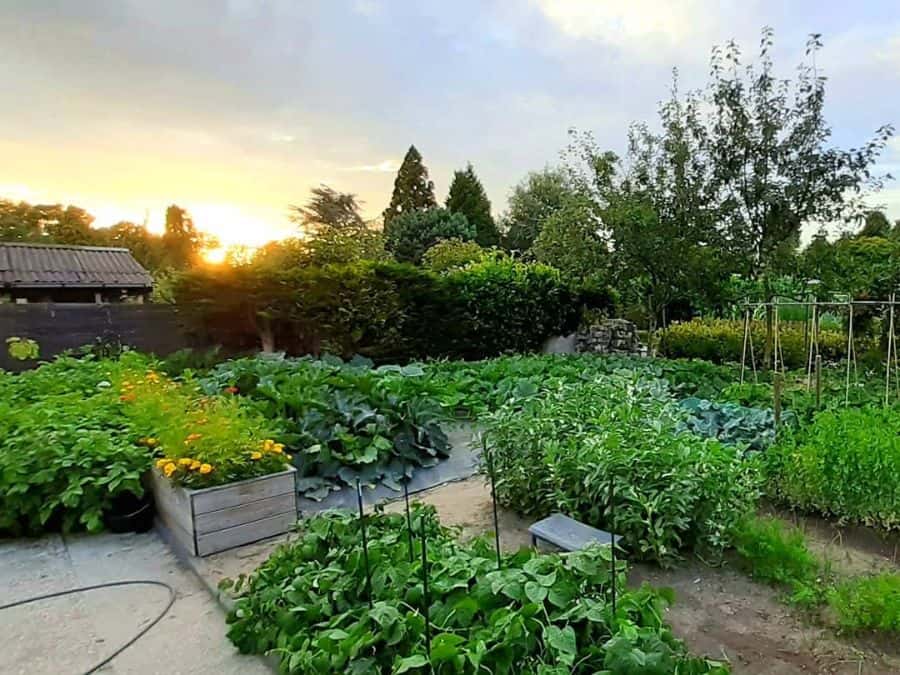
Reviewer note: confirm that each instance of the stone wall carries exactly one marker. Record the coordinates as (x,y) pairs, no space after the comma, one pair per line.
(610,336)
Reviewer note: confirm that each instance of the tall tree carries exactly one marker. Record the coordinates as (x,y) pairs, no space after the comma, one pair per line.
(572,241)
(467,196)
(774,169)
(412,189)
(875,224)
(328,208)
(146,247)
(537,197)
(181,241)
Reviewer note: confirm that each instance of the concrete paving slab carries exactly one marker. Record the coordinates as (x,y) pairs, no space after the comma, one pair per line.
(71,634)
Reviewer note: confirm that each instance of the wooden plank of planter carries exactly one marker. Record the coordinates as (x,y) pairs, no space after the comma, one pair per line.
(221,517)
(244,534)
(213,521)
(235,494)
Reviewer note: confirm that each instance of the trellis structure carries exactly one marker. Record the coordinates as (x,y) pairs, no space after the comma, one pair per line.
(814,309)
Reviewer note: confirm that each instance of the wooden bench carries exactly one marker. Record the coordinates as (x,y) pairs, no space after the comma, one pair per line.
(567,534)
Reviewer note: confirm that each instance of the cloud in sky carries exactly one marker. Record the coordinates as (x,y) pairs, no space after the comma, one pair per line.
(240,107)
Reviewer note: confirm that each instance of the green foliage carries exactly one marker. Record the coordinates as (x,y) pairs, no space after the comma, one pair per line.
(747,428)
(22,349)
(328,208)
(537,615)
(202,441)
(344,421)
(570,241)
(510,306)
(388,312)
(66,449)
(467,196)
(847,464)
(537,197)
(673,491)
(867,603)
(413,191)
(774,553)
(452,254)
(722,340)
(408,235)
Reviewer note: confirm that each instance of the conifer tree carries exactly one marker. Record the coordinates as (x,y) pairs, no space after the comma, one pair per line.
(467,196)
(412,189)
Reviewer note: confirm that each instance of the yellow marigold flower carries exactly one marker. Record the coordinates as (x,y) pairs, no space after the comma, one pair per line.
(278,448)
(185,461)
(194,437)
(206,468)
(255,455)
(268,443)
(161,462)
(202,420)
(289,456)
(169,469)
(152,442)
(196,464)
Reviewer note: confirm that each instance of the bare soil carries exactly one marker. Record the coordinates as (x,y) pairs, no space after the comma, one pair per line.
(719,611)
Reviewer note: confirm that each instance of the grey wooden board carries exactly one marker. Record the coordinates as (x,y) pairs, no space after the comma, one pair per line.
(245,534)
(567,533)
(462,463)
(184,538)
(204,523)
(174,502)
(234,494)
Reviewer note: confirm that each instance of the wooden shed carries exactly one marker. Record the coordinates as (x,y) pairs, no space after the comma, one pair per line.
(57,273)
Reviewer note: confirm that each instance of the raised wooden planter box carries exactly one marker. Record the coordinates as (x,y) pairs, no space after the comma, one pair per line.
(218,518)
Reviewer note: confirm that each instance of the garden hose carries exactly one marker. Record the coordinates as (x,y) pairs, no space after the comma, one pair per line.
(111,584)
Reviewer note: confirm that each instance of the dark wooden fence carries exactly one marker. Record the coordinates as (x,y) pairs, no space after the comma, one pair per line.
(160,329)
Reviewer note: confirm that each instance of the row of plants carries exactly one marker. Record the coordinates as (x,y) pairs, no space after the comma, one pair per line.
(616,454)
(772,552)
(77,433)
(722,341)
(846,464)
(536,614)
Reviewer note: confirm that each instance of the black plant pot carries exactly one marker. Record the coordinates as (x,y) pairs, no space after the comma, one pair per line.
(129,513)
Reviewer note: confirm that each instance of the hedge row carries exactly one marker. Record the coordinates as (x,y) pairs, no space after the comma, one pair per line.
(388,311)
(722,341)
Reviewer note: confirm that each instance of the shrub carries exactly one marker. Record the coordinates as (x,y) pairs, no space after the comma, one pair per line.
(672,490)
(846,465)
(451,254)
(388,312)
(409,235)
(721,341)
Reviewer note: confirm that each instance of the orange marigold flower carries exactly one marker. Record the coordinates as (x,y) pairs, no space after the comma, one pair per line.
(185,461)
(161,462)
(196,464)
(169,469)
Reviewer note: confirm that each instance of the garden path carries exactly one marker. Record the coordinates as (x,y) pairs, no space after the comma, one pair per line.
(71,634)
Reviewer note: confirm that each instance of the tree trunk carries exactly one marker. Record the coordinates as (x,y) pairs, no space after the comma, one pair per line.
(266,336)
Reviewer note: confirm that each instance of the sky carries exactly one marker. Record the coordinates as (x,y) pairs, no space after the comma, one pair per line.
(235,109)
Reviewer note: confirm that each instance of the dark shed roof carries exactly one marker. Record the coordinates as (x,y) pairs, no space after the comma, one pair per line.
(50,266)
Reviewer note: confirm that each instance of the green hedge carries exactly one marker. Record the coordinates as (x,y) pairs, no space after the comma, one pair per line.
(721,341)
(386,311)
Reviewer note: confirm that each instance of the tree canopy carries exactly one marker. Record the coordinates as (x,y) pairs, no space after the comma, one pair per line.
(467,196)
(413,191)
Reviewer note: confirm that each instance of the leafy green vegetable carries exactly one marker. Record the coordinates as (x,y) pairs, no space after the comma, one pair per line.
(305,604)
(672,490)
